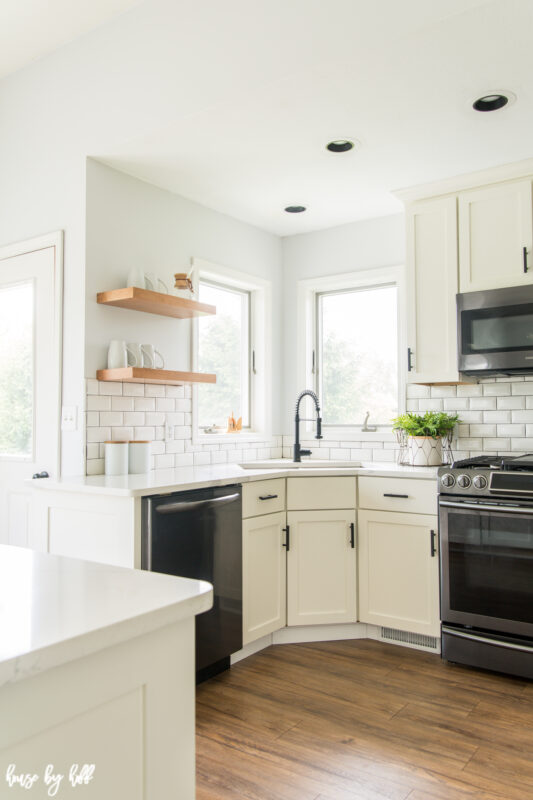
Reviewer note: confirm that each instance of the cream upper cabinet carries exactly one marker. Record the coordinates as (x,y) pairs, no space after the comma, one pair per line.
(264,575)
(321,567)
(432,284)
(495,225)
(399,571)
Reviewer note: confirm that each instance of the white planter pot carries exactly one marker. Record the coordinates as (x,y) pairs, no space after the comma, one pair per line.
(424,451)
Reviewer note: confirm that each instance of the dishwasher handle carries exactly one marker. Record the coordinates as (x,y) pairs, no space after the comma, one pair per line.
(196,505)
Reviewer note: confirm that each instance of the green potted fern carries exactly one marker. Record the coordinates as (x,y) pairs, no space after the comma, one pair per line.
(424,434)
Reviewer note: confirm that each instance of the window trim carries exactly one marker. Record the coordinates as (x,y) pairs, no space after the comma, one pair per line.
(307,344)
(260,337)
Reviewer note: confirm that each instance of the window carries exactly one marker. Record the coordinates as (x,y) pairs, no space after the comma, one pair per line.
(224,348)
(357,354)
(16,370)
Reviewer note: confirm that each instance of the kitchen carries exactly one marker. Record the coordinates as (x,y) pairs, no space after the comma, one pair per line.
(136,181)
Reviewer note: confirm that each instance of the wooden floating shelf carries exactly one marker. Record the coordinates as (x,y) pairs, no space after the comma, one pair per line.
(154,303)
(144,375)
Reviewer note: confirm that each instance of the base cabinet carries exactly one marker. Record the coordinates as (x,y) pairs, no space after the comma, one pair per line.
(264,575)
(399,571)
(321,567)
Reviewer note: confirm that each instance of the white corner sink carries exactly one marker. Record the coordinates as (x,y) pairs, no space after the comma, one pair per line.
(307,463)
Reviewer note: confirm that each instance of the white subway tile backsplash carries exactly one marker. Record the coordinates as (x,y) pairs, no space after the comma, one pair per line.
(165,404)
(164,461)
(522,416)
(522,388)
(456,404)
(175,446)
(201,458)
(183,405)
(122,403)
(415,390)
(511,430)
(175,391)
(92,419)
(523,444)
(110,388)
(122,434)
(496,416)
(496,389)
(411,405)
(184,459)
(98,434)
(133,389)
(469,390)
(154,418)
(142,404)
(483,430)
(154,390)
(482,403)
(144,433)
(134,418)
(93,386)
(98,403)
(443,391)
(473,416)
(111,418)
(511,402)
(158,448)
(93,450)
(496,444)
(95,466)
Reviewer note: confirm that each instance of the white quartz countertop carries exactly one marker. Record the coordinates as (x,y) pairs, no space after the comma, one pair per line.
(162,481)
(54,609)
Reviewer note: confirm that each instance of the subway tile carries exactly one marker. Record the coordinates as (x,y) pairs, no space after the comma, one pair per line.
(144,433)
(188,391)
(182,432)
(496,416)
(134,418)
(176,418)
(221,457)
(360,454)
(522,388)
(93,386)
(469,444)
(469,390)
(122,403)
(509,380)
(158,448)
(411,405)
(95,467)
(142,404)
(122,434)
(529,402)
(339,454)
(473,416)
(511,402)
(415,390)
(183,405)
(522,416)
(110,388)
(184,459)
(175,391)
(511,430)
(92,419)
(201,459)
(482,403)
(133,390)
(463,430)
(98,434)
(430,405)
(524,444)
(165,404)
(154,418)
(483,430)
(165,461)
(385,455)
(496,389)
(496,444)
(98,403)
(443,391)
(93,450)
(175,446)
(456,403)
(111,418)
(529,430)
(154,390)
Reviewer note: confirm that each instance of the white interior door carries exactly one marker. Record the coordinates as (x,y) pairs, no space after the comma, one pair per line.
(30,374)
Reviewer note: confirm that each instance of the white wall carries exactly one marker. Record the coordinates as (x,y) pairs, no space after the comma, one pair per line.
(346,248)
(133,223)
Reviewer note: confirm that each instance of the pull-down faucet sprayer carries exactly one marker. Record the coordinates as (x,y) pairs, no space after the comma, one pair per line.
(298,452)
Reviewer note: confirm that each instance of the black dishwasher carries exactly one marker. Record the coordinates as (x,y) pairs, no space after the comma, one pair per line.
(198,534)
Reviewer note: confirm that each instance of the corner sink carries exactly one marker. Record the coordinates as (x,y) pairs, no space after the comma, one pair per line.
(307,463)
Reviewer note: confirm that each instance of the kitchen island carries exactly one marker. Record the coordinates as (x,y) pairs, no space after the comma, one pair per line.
(97,678)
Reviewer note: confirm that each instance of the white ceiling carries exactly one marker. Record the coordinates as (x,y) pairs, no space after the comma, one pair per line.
(252,91)
(30,29)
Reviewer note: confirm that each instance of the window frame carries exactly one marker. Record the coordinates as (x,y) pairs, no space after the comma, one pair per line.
(308,344)
(260,350)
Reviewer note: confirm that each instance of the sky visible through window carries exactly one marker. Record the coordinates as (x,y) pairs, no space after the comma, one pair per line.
(359,356)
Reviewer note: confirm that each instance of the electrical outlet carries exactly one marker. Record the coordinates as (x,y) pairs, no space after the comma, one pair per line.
(169,432)
(69,418)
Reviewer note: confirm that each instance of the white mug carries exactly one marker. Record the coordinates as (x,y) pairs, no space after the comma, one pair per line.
(117,355)
(153,283)
(135,355)
(136,278)
(149,353)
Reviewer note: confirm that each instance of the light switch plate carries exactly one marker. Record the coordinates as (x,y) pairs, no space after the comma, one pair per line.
(69,418)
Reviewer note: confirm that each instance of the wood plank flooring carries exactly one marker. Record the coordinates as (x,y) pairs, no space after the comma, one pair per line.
(362,720)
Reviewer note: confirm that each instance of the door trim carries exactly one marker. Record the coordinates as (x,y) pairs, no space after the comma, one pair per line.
(54,239)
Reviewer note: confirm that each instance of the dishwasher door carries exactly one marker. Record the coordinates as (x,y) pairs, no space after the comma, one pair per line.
(198,534)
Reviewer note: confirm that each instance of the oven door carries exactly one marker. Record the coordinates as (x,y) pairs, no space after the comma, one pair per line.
(487,566)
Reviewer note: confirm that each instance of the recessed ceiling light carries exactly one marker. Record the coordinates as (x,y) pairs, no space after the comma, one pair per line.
(340,146)
(491,102)
(295,209)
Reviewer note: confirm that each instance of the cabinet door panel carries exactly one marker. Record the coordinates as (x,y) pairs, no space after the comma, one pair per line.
(321,568)
(398,576)
(264,576)
(432,286)
(495,224)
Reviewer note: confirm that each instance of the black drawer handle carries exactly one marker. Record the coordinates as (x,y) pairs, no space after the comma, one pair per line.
(287,542)
(433,549)
(403,496)
(268,497)
(524,254)
(352,534)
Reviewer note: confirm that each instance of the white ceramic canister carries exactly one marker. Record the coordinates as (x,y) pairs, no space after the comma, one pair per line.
(116,458)
(139,457)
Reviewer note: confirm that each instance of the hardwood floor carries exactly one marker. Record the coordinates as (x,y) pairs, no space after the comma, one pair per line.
(362,720)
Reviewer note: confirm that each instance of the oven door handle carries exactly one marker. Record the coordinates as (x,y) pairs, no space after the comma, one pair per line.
(483,507)
(486,640)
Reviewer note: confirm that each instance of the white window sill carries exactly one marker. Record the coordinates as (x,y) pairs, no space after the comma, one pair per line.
(383,434)
(230,438)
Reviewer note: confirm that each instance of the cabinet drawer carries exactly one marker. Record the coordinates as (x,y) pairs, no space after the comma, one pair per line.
(263,497)
(398,494)
(320,493)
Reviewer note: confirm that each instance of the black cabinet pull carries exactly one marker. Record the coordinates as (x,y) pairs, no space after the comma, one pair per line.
(287,542)
(352,534)
(409,359)
(389,494)
(268,497)
(433,549)
(524,254)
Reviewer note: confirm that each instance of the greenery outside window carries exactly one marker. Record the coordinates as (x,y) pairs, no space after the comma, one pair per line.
(224,348)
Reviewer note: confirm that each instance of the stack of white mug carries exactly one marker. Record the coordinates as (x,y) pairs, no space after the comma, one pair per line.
(146,280)
(131,354)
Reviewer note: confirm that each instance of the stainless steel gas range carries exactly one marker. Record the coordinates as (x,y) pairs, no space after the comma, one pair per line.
(486,544)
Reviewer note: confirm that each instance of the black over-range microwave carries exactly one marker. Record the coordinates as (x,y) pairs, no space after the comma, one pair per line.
(495,331)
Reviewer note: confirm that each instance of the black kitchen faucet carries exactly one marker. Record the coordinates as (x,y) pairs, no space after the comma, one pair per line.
(298,452)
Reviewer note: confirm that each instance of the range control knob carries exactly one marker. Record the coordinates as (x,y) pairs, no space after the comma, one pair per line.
(479,482)
(447,480)
(463,481)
